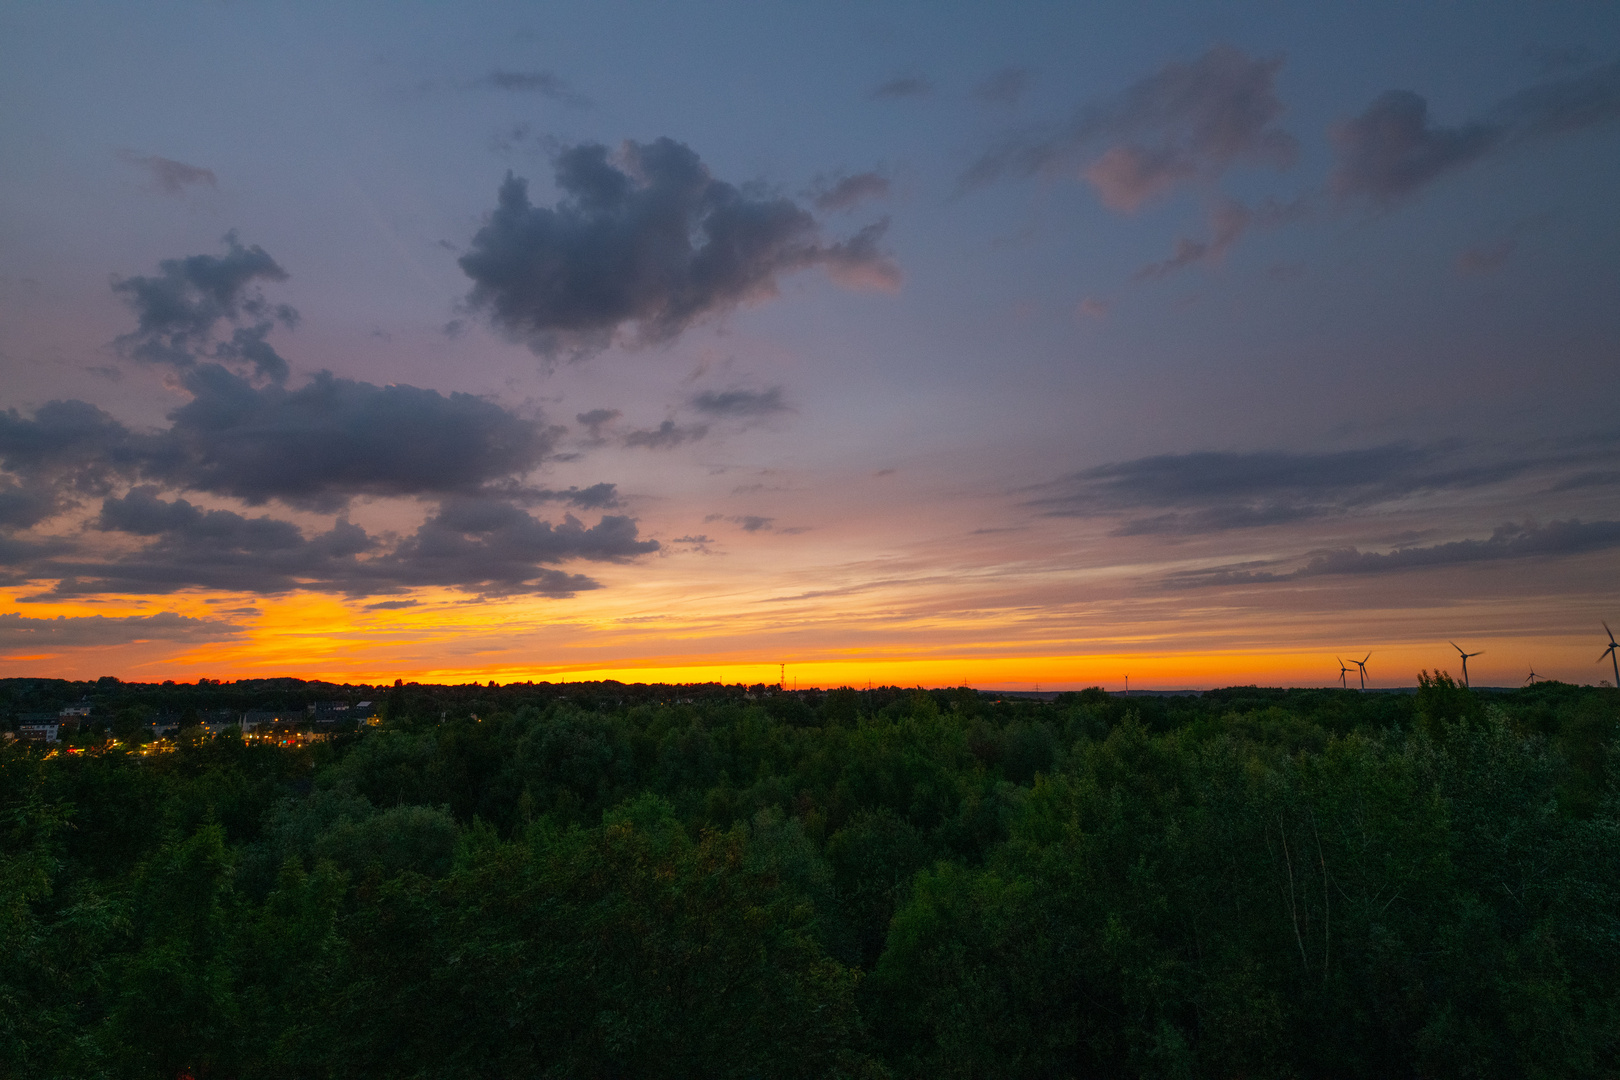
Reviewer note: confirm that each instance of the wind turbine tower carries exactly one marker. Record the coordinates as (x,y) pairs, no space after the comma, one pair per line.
(1362,664)
(1466,655)
(1609,652)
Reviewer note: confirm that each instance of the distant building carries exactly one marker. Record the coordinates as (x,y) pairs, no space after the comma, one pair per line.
(38,727)
(264,719)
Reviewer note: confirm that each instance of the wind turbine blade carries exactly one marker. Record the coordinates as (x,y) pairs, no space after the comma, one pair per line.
(1609,632)
(1364,659)
(1456,646)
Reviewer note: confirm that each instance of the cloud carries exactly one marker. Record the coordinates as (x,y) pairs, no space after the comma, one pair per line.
(1511,541)
(1199,493)
(545,83)
(904,86)
(178,309)
(494,548)
(746,522)
(1188,121)
(595,497)
(391,605)
(740,403)
(700,538)
(332,439)
(596,418)
(172,177)
(1392,151)
(315,447)
(645,237)
(475,544)
(1005,87)
(665,436)
(1228,221)
(190,547)
(67,451)
(594,421)
(847,192)
(857,263)
(19,631)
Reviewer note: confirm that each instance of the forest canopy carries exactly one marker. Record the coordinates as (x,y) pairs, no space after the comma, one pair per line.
(603,880)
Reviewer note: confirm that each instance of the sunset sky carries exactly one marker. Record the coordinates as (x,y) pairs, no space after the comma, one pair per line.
(1009,345)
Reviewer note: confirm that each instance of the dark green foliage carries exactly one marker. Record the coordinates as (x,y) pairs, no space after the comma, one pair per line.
(613,880)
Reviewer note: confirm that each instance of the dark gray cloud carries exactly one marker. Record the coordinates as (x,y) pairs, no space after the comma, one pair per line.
(1512,541)
(391,605)
(23,506)
(1392,150)
(545,83)
(315,447)
(904,86)
(847,192)
(594,497)
(475,544)
(645,237)
(1004,87)
(665,436)
(19,631)
(1189,494)
(172,177)
(1187,121)
(332,439)
(594,421)
(494,548)
(739,403)
(190,547)
(179,309)
(67,451)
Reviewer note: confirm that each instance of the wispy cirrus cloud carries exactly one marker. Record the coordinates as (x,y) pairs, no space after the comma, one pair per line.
(20,631)
(1510,541)
(171,177)
(1191,120)
(1214,491)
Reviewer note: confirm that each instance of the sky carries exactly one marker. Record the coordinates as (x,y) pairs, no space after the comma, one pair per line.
(1029,345)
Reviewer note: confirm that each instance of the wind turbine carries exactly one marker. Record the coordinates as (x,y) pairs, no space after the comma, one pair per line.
(1532,677)
(1609,652)
(1465,656)
(1362,664)
(1342,672)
